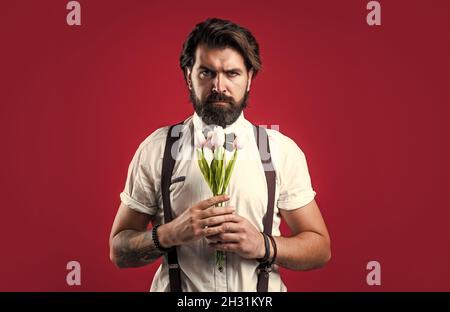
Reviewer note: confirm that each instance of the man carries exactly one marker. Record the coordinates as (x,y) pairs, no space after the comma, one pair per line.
(219,61)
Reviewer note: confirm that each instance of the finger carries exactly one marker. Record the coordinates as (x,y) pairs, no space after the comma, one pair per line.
(214,238)
(212,201)
(225,246)
(226,238)
(231,227)
(225,227)
(218,220)
(212,231)
(216,211)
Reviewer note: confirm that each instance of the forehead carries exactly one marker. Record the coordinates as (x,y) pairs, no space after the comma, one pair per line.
(218,57)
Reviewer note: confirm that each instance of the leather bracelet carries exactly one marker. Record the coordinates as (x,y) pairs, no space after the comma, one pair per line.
(274,249)
(156,240)
(267,252)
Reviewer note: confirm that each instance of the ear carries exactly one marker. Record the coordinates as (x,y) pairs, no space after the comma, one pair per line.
(250,76)
(187,76)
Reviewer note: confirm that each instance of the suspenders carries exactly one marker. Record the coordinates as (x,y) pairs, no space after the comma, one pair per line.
(166,175)
(269,171)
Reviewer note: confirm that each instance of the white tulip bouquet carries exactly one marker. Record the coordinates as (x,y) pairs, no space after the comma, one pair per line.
(217,173)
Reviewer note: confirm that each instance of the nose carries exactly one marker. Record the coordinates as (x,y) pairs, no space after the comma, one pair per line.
(219,84)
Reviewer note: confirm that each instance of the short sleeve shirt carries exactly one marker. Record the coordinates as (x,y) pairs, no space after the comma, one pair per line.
(247,191)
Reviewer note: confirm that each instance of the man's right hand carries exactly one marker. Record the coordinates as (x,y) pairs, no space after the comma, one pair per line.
(201,220)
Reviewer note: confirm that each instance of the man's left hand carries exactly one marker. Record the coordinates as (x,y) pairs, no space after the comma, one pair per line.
(241,237)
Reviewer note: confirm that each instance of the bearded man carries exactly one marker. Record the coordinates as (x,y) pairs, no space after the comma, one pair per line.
(219,60)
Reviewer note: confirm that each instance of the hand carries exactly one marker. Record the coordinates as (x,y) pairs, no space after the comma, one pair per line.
(201,220)
(241,237)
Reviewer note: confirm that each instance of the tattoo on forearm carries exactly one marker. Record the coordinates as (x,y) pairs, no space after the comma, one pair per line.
(135,249)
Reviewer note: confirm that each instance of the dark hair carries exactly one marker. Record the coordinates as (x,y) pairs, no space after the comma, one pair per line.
(219,33)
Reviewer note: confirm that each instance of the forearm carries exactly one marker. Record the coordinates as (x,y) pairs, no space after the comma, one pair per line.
(305,251)
(133,249)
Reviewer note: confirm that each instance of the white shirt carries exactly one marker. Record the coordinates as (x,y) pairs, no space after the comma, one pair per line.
(248,194)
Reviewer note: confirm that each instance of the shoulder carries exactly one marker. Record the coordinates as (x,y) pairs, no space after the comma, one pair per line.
(283,144)
(155,139)
(154,144)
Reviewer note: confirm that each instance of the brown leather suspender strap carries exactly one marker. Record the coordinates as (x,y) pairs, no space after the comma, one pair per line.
(266,159)
(167,167)
(166,175)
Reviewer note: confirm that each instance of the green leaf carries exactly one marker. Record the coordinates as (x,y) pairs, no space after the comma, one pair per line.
(204,169)
(218,175)
(213,176)
(229,170)
(207,169)
(222,175)
(200,165)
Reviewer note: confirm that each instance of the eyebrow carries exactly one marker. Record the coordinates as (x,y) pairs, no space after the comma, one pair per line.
(206,67)
(238,70)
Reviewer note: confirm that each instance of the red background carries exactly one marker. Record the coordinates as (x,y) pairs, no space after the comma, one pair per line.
(367,105)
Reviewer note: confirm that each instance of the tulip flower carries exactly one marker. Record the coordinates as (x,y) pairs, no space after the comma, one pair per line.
(238,143)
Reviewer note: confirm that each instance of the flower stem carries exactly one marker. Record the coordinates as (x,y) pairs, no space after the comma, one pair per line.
(220,255)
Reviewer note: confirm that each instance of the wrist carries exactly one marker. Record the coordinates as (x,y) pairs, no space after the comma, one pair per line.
(164,237)
(266,249)
(273,250)
(262,247)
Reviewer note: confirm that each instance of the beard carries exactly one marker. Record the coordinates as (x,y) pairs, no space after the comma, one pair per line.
(213,114)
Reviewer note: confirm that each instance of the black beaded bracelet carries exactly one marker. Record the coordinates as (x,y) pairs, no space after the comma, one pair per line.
(156,240)
(267,252)
(274,244)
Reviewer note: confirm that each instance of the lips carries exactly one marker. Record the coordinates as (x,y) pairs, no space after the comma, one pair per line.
(220,103)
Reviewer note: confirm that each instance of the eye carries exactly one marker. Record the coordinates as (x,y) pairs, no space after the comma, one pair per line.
(205,74)
(232,74)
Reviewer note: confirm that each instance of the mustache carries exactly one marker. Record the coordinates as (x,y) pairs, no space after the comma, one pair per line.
(219,97)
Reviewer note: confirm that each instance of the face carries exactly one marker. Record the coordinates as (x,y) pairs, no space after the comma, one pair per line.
(219,84)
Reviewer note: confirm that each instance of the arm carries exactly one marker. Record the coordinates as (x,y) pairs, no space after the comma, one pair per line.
(131,244)
(309,246)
